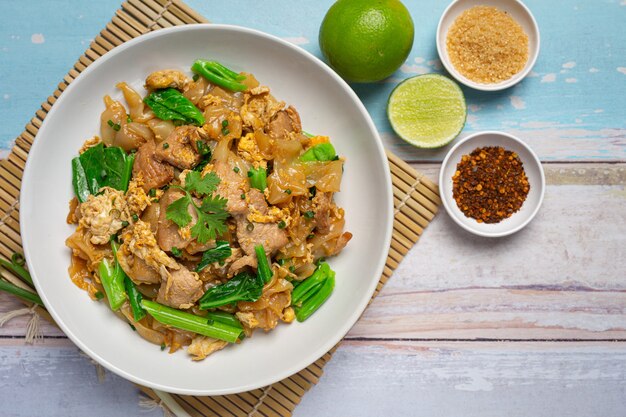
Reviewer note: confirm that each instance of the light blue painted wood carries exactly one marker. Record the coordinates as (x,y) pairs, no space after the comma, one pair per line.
(583,50)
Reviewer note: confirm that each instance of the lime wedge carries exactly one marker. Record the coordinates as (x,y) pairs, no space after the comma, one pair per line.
(427,111)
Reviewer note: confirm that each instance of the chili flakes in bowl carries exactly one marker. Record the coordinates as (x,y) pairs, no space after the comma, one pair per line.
(490,184)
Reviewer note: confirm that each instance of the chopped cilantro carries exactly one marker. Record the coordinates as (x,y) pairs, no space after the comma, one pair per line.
(211,212)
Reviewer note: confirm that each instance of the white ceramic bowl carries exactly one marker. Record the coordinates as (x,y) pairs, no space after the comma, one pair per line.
(327,106)
(515,9)
(532,167)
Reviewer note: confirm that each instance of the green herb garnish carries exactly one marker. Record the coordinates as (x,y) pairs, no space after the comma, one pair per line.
(211,212)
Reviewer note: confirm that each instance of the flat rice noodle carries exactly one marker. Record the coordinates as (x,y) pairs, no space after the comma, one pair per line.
(286,150)
(139,111)
(222,151)
(115,112)
(232,100)
(161,129)
(326,176)
(331,243)
(264,142)
(286,177)
(80,243)
(81,277)
(250,81)
(195,90)
(143,327)
(132,135)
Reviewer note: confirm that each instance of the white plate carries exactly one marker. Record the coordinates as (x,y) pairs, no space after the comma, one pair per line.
(532,167)
(327,106)
(515,9)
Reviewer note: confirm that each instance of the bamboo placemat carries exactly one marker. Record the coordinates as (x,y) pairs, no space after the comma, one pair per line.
(416,202)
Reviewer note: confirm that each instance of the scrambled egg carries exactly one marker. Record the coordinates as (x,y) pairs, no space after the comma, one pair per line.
(136,198)
(141,242)
(90,143)
(248,319)
(202,346)
(274,214)
(165,79)
(104,214)
(249,150)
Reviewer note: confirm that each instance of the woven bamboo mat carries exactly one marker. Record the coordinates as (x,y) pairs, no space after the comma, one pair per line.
(416,202)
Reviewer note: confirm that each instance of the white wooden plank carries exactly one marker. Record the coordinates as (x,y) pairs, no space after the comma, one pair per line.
(455,285)
(364,379)
(56,381)
(561,277)
(550,141)
(471,380)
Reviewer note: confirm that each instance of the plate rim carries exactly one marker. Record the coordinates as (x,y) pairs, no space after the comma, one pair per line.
(305,361)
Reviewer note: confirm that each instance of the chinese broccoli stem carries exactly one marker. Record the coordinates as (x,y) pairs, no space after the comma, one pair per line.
(219,74)
(263,268)
(134,297)
(113,283)
(190,322)
(315,301)
(225,318)
(310,285)
(258,178)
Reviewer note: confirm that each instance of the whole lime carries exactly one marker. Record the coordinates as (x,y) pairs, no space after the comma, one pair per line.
(366,40)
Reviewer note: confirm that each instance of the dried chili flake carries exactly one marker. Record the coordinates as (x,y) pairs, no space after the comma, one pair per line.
(490,184)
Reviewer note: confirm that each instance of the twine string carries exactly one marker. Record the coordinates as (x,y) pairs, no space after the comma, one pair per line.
(100,372)
(9,212)
(149,404)
(408,195)
(259,402)
(160,15)
(33,328)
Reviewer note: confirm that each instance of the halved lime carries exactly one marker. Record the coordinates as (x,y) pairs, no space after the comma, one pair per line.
(427,111)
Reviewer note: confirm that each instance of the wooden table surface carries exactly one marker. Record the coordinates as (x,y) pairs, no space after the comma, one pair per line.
(532,324)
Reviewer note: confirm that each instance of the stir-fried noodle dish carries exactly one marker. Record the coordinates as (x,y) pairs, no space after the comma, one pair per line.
(203,211)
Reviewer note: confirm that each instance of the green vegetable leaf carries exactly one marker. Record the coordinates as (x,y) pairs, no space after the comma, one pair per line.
(101,166)
(242,287)
(177,211)
(194,181)
(170,104)
(220,252)
(319,152)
